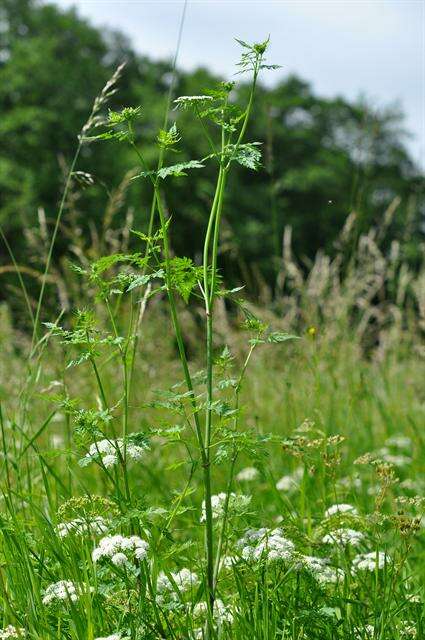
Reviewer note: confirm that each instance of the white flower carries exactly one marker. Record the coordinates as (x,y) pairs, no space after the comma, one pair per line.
(313,563)
(79,526)
(408,629)
(190,101)
(184,580)
(222,613)
(62,590)
(290,482)
(107,451)
(237,504)
(119,559)
(11,632)
(321,570)
(331,575)
(110,460)
(370,561)
(349,482)
(170,591)
(248,474)
(399,442)
(396,460)
(267,544)
(116,547)
(343,537)
(340,508)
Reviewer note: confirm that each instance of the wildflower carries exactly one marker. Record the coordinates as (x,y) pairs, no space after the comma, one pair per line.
(395,459)
(407,629)
(268,544)
(368,632)
(222,613)
(11,632)
(340,508)
(237,504)
(290,482)
(108,451)
(171,590)
(370,561)
(321,570)
(62,590)
(248,474)
(185,102)
(343,537)
(117,547)
(183,579)
(79,526)
(349,482)
(399,442)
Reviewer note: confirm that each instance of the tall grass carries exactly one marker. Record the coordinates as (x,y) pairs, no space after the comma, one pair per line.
(181,463)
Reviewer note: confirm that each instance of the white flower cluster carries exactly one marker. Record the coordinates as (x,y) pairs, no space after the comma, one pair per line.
(367,632)
(113,636)
(399,442)
(337,509)
(321,570)
(349,482)
(222,614)
(267,544)
(344,537)
(108,451)
(370,561)
(247,475)
(79,527)
(395,459)
(408,629)
(118,548)
(290,483)
(62,590)
(237,504)
(181,581)
(11,632)
(190,101)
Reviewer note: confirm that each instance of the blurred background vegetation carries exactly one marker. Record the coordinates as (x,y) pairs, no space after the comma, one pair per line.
(324,160)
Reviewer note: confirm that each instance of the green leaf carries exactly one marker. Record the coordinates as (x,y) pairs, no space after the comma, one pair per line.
(179,169)
(280,336)
(248,155)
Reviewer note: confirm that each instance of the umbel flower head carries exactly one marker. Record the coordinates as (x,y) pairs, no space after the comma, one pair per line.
(108,451)
(344,537)
(121,551)
(337,509)
(237,504)
(188,102)
(80,526)
(12,632)
(370,561)
(171,589)
(265,544)
(321,570)
(64,590)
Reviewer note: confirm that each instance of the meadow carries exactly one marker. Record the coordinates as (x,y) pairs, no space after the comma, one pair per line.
(181,462)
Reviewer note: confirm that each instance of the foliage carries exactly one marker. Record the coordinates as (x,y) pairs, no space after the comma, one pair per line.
(322,158)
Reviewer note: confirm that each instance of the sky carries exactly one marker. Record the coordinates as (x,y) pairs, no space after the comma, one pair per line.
(350,48)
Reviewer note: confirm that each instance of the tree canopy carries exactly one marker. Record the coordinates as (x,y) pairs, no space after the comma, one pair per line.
(322,158)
